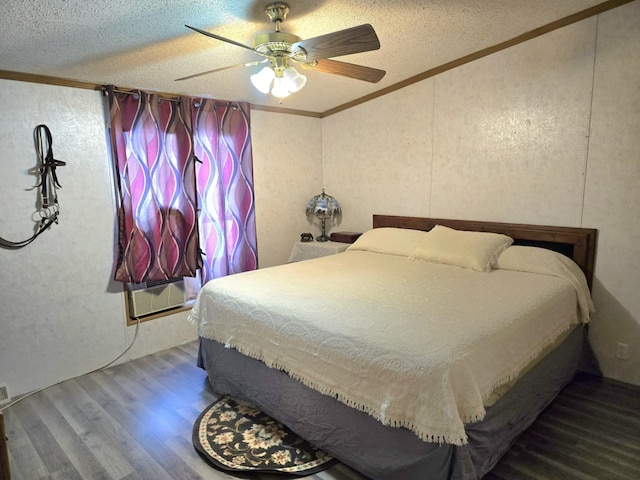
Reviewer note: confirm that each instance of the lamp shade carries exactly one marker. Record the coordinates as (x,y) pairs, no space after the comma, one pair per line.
(262,80)
(294,79)
(280,88)
(323,207)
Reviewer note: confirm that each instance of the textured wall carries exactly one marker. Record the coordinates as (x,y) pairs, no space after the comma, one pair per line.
(287,166)
(377,157)
(514,137)
(612,194)
(512,129)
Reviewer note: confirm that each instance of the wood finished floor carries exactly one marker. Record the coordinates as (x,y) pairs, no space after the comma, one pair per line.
(134,421)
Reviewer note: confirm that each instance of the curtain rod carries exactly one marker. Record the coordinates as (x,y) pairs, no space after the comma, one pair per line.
(162,96)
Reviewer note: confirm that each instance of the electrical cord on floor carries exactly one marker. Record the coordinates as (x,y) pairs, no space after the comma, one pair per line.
(135,336)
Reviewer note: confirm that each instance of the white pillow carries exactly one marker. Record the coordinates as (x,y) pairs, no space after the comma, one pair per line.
(389,240)
(548,262)
(473,250)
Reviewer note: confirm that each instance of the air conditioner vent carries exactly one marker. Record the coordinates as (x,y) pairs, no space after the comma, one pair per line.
(153,299)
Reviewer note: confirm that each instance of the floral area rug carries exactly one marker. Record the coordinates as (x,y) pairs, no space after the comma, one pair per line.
(239,437)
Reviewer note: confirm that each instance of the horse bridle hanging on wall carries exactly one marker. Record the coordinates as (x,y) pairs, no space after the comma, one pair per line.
(48,208)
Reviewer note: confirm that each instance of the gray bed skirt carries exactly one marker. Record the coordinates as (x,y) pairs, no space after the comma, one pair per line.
(386,453)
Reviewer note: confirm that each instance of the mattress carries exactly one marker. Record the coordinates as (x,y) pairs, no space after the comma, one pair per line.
(412,344)
(386,453)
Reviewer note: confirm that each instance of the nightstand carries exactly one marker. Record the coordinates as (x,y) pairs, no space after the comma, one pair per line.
(313,249)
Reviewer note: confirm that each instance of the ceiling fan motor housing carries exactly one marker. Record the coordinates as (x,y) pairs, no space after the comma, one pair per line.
(275,44)
(278,44)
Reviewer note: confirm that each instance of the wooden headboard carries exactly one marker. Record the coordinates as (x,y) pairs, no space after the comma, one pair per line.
(579,244)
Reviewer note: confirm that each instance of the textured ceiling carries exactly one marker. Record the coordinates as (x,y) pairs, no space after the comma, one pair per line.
(144,44)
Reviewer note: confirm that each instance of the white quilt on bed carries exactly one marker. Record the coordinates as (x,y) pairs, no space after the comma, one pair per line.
(414,344)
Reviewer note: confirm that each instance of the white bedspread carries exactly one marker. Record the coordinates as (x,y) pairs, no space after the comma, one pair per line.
(414,344)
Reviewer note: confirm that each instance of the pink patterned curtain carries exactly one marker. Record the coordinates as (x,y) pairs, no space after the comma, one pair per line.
(222,144)
(155,176)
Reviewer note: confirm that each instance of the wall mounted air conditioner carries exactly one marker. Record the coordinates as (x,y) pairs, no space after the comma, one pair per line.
(147,299)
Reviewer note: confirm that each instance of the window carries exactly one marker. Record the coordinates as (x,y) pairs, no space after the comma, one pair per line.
(184,181)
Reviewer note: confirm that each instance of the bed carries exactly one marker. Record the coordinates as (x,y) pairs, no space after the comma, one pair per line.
(342,350)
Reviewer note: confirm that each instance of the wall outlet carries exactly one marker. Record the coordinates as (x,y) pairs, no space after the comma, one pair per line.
(4,393)
(622,351)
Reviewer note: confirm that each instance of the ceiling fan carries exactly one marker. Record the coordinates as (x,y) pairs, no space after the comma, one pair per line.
(282,50)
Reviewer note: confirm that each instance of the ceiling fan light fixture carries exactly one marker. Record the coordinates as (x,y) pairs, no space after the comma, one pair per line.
(281,80)
(280,88)
(262,80)
(295,80)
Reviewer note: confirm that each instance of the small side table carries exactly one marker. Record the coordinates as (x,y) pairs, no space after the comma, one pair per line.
(313,249)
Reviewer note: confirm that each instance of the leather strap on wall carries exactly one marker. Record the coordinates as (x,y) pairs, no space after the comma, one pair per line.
(48,211)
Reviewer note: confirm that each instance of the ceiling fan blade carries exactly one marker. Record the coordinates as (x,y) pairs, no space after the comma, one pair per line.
(250,64)
(343,42)
(368,74)
(218,37)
